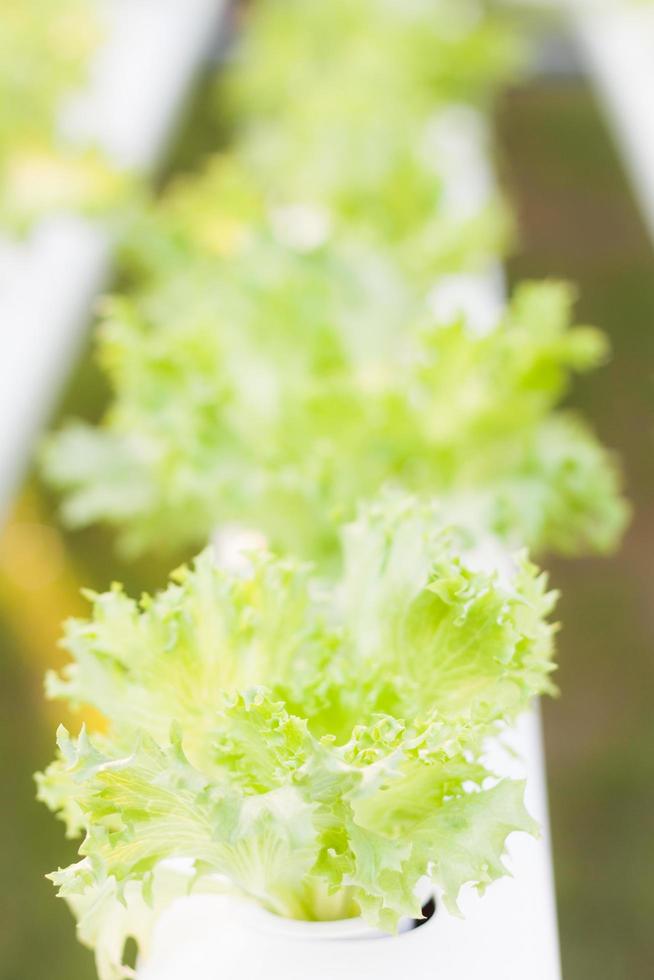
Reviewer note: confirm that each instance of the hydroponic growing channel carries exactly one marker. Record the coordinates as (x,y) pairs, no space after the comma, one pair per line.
(310,351)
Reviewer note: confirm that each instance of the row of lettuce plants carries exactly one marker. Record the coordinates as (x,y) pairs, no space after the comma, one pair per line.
(306,728)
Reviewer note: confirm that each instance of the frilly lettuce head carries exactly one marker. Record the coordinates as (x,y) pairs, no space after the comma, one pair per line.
(278,389)
(315,749)
(373,77)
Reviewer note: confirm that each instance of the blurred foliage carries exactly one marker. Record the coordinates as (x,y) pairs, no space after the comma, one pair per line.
(46,48)
(271,368)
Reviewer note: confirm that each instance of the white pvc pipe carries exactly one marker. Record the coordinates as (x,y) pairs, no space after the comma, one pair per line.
(48,283)
(459,142)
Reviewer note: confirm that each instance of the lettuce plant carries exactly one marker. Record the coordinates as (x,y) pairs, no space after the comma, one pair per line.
(317,749)
(374,78)
(274,359)
(278,386)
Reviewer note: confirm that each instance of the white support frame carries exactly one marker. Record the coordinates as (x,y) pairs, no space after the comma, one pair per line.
(617,43)
(48,283)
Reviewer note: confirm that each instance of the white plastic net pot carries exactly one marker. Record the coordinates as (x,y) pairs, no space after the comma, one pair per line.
(219,938)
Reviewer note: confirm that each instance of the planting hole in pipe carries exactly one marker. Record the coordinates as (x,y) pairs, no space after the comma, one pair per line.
(428,912)
(130,953)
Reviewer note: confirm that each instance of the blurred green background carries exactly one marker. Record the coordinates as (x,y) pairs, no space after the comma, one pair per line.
(577,220)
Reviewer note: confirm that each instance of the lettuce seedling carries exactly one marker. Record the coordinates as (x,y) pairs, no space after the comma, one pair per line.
(373,77)
(315,749)
(278,389)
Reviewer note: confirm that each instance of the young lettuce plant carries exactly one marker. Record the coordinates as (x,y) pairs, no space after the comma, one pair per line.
(377,76)
(277,387)
(316,750)
(269,373)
